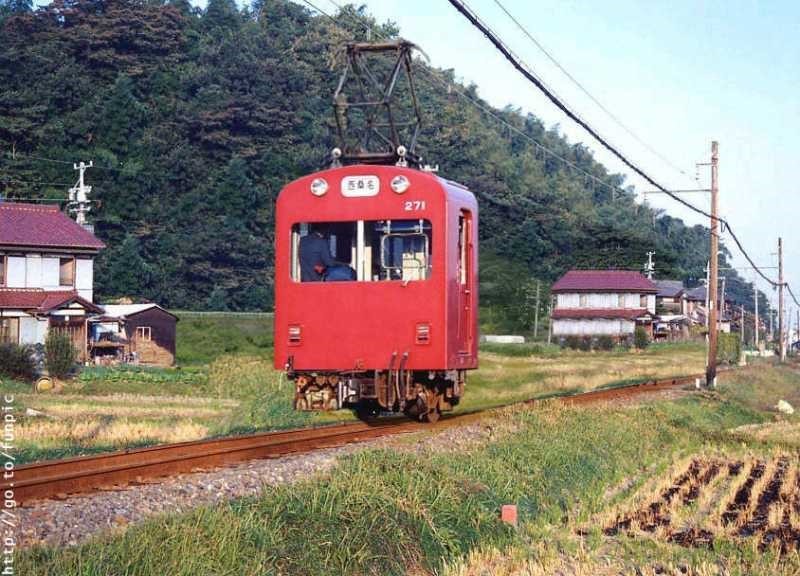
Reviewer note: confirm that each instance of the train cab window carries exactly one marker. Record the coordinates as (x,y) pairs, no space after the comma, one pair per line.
(363,251)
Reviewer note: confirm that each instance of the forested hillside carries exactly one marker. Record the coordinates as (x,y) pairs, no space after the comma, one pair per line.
(195,120)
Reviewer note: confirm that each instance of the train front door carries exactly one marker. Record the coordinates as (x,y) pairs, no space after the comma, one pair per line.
(465,281)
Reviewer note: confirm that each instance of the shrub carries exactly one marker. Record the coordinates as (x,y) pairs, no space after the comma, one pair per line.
(641,339)
(572,342)
(605,342)
(728,348)
(59,354)
(585,343)
(17,362)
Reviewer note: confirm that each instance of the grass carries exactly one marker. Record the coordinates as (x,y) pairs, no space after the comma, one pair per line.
(108,409)
(99,410)
(201,339)
(395,511)
(511,372)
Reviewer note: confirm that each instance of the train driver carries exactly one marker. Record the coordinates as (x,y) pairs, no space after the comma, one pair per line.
(315,254)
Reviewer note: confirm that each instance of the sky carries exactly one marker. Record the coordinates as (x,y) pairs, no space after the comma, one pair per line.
(678,73)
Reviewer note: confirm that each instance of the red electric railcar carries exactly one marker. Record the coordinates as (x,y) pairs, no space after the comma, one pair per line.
(400,331)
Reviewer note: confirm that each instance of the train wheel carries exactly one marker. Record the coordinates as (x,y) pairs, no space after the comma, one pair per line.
(366,410)
(431,412)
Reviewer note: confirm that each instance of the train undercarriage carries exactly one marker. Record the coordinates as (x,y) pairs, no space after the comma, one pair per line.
(420,394)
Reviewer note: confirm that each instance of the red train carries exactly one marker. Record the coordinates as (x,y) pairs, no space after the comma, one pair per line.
(389,321)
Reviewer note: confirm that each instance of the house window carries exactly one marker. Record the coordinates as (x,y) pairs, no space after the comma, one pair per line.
(584,300)
(2,270)
(143,333)
(643,301)
(66,272)
(621,300)
(9,330)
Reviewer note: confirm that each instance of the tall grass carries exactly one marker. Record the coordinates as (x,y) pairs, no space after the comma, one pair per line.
(397,512)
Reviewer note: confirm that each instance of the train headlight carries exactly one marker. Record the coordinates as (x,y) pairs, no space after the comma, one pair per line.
(319,187)
(400,184)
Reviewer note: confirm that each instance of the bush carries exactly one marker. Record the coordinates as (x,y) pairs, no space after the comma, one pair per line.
(17,362)
(572,342)
(641,339)
(59,354)
(585,343)
(728,348)
(605,342)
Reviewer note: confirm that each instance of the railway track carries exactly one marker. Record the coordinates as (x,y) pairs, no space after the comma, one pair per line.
(59,478)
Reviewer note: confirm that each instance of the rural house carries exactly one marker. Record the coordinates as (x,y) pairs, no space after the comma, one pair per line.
(671,323)
(697,311)
(46,275)
(670,297)
(139,333)
(602,302)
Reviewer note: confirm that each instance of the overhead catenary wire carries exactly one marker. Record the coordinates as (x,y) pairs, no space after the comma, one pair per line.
(489,112)
(521,67)
(588,94)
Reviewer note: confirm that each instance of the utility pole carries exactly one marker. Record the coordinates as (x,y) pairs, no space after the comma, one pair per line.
(649,268)
(771,337)
(797,329)
(781,322)
(711,365)
(755,331)
(708,273)
(536,313)
(741,326)
(79,195)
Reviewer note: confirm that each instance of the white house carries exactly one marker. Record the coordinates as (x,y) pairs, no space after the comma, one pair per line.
(46,274)
(602,302)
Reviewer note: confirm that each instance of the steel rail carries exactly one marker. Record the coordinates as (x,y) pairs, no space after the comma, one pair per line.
(59,478)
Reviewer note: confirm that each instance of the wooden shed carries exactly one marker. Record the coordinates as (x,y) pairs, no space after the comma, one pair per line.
(149,329)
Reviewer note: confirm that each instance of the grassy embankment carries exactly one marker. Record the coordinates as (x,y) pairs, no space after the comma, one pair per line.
(225,384)
(573,472)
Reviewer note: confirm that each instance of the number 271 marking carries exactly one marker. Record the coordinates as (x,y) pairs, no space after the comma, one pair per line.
(414,205)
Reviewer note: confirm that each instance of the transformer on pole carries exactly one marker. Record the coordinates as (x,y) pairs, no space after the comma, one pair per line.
(79,203)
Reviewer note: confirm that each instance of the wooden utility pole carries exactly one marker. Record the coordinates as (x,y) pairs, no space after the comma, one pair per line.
(781,320)
(711,364)
(797,329)
(536,313)
(755,297)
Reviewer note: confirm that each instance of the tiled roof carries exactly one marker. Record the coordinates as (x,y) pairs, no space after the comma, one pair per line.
(606,313)
(604,281)
(698,294)
(669,288)
(43,226)
(41,301)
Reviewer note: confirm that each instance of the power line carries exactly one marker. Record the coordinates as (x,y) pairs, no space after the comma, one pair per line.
(526,72)
(587,93)
(20,155)
(15,180)
(488,111)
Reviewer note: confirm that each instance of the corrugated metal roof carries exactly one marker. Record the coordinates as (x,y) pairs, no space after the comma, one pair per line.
(124,310)
(604,281)
(43,226)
